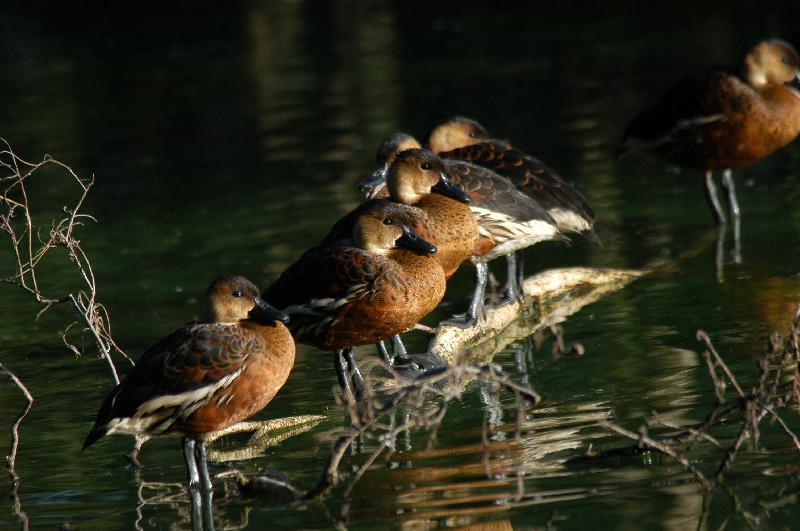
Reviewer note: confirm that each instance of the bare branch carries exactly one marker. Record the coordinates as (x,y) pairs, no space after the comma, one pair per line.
(30,248)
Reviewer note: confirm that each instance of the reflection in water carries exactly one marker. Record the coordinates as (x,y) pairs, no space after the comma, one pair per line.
(461,483)
(226,141)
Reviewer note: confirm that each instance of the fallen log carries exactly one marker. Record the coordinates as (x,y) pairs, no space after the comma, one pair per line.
(265,434)
(549,298)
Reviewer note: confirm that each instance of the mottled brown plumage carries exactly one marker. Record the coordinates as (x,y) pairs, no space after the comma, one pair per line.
(341,296)
(719,120)
(415,178)
(204,376)
(465,139)
(503,211)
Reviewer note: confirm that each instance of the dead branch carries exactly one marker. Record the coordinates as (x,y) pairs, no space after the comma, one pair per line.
(30,248)
(645,441)
(11,459)
(773,392)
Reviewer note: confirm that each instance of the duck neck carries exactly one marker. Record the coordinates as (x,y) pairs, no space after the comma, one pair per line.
(265,330)
(783,102)
(441,209)
(417,267)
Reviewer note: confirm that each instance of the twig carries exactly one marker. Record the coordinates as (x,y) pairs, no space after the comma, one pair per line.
(11,459)
(30,249)
(646,441)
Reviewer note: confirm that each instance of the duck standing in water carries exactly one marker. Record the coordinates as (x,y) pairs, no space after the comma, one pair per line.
(724,119)
(204,376)
(340,296)
(507,219)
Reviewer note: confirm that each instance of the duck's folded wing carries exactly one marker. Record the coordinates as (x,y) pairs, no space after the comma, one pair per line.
(528,173)
(175,376)
(493,192)
(324,277)
(685,107)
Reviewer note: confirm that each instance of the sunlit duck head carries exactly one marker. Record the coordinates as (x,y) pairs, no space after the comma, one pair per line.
(416,173)
(388,150)
(455,133)
(234,298)
(771,61)
(383,231)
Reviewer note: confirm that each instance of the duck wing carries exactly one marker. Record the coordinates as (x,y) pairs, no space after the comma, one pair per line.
(176,375)
(528,173)
(679,115)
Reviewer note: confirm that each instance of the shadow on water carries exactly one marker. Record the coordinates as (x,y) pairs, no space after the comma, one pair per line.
(226,140)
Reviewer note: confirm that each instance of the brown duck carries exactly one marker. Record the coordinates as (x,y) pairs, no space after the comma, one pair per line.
(204,376)
(340,296)
(507,219)
(724,119)
(465,139)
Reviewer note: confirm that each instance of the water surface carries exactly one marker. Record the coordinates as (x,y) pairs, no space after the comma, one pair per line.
(228,139)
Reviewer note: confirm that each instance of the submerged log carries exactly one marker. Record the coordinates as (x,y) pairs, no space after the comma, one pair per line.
(549,298)
(265,434)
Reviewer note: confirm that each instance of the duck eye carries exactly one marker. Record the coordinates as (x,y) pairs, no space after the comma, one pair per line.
(387,221)
(237,293)
(785,60)
(425,166)
(473,134)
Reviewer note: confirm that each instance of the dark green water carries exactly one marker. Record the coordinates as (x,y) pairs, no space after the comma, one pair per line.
(227,140)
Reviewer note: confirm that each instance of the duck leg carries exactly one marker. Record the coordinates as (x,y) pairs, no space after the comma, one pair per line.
(711,194)
(476,310)
(387,358)
(201,454)
(733,203)
(191,463)
(354,373)
(194,482)
(342,372)
(515,276)
(399,354)
(133,457)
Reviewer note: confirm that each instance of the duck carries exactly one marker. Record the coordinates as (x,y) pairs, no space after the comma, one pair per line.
(508,220)
(341,234)
(465,139)
(204,376)
(724,119)
(344,294)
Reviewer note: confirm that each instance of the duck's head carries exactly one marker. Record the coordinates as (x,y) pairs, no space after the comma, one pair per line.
(455,133)
(388,150)
(415,173)
(772,61)
(383,230)
(233,298)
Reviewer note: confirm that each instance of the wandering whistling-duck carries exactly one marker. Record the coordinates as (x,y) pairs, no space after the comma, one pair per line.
(465,139)
(340,296)
(724,119)
(341,234)
(507,219)
(204,376)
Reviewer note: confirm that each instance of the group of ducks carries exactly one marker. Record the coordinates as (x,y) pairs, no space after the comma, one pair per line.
(384,266)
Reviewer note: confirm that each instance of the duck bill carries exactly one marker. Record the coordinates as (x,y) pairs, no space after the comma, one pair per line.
(447,188)
(264,313)
(796,81)
(412,241)
(374,184)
